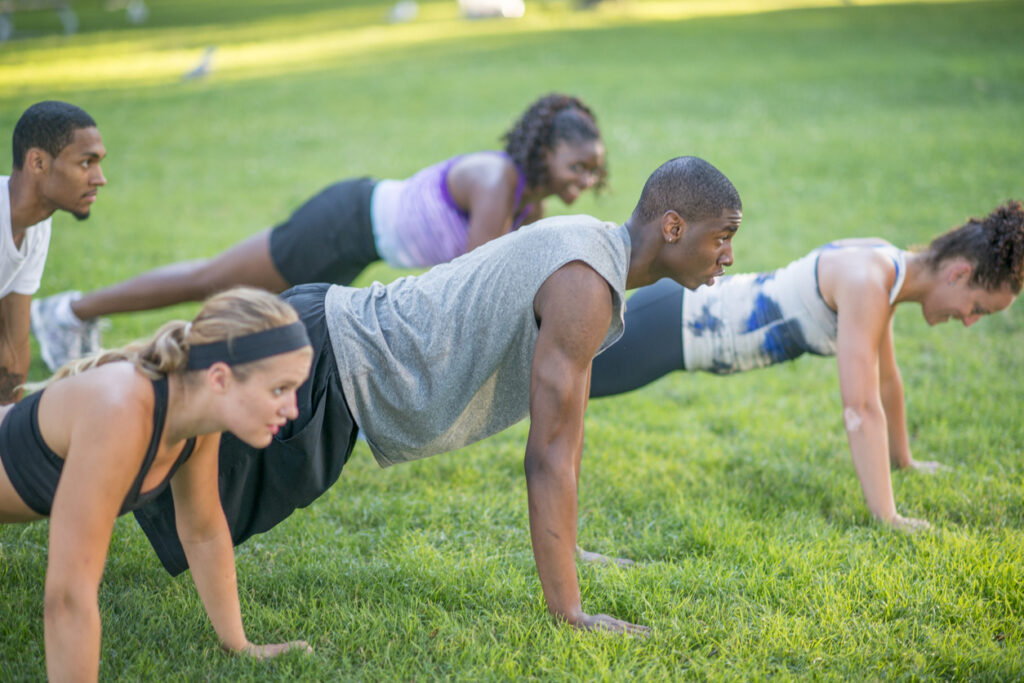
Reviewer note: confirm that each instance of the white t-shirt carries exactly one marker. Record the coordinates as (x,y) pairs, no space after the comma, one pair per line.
(20,269)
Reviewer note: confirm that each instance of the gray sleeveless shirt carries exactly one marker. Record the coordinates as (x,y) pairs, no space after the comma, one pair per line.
(434,362)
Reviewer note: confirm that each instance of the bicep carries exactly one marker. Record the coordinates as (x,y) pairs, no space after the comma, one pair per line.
(575,308)
(195,489)
(863,321)
(490,212)
(97,475)
(888,370)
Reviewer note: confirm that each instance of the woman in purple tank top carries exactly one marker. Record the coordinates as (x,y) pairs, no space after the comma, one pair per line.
(553,149)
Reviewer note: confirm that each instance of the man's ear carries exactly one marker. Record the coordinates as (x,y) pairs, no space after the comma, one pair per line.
(37,160)
(672,226)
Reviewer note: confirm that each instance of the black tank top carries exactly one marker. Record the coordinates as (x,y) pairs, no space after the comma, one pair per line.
(34,469)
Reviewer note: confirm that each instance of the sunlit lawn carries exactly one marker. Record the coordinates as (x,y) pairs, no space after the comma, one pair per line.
(736,495)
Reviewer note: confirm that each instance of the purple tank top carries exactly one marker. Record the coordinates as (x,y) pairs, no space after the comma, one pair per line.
(416,222)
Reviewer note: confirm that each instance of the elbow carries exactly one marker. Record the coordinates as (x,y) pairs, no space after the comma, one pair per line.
(63,602)
(545,466)
(858,414)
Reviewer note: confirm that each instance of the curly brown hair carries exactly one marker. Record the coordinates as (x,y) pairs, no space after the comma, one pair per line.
(994,245)
(551,119)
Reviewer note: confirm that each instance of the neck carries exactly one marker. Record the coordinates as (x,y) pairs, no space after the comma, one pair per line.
(920,279)
(189,411)
(27,206)
(643,251)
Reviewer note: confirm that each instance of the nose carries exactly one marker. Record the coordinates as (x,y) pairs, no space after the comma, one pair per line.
(725,259)
(99,179)
(969,320)
(291,408)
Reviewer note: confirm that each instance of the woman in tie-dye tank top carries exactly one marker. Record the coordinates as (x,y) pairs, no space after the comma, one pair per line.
(439,213)
(838,300)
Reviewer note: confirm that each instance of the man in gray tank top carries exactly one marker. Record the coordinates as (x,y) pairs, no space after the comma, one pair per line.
(431,363)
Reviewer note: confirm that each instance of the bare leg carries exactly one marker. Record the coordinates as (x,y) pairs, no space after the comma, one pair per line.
(246,263)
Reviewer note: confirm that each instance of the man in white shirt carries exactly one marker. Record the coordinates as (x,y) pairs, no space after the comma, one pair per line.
(56,166)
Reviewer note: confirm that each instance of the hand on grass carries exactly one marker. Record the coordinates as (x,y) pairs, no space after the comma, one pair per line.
(598,558)
(272,650)
(926,466)
(909,524)
(603,622)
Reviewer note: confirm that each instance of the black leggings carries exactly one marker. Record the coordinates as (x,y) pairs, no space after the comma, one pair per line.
(652,345)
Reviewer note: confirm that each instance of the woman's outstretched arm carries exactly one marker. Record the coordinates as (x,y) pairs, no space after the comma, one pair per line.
(864,321)
(895,410)
(204,535)
(104,455)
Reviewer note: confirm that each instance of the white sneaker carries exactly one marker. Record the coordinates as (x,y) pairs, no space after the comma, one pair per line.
(58,341)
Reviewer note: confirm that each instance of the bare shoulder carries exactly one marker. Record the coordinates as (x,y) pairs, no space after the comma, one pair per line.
(576,293)
(483,170)
(114,399)
(855,271)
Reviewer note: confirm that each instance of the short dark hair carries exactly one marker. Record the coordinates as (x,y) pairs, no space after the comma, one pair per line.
(48,125)
(551,119)
(994,245)
(691,187)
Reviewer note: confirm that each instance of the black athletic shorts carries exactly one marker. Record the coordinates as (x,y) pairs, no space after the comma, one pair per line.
(260,487)
(329,238)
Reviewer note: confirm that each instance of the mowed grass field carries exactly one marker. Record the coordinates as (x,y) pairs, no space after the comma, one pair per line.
(736,496)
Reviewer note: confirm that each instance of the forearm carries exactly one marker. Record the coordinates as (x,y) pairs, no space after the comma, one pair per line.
(896,426)
(212,562)
(14,362)
(551,489)
(866,432)
(72,636)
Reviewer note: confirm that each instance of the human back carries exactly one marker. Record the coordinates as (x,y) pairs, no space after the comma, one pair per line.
(458,340)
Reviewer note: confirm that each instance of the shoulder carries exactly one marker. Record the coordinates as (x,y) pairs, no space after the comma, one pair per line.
(853,271)
(484,169)
(575,287)
(108,406)
(116,391)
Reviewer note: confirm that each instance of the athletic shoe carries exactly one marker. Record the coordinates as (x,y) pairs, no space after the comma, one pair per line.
(58,341)
(92,335)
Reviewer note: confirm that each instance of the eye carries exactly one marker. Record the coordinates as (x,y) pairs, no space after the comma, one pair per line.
(278,391)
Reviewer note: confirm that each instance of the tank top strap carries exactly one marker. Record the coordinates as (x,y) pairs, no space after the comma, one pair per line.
(899,259)
(159,416)
(517,222)
(442,180)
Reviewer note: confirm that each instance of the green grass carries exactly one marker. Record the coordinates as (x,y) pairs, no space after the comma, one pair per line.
(736,495)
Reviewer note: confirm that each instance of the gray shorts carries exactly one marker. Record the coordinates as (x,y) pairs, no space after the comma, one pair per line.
(329,238)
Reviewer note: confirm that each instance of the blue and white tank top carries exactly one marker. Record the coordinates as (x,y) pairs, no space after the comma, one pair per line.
(753,320)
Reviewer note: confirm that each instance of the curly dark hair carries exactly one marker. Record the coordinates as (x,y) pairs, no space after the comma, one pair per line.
(551,119)
(994,245)
(49,125)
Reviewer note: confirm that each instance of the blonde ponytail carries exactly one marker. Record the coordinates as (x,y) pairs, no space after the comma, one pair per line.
(232,313)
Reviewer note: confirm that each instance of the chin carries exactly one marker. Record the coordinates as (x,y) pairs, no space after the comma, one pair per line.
(80,215)
(259,442)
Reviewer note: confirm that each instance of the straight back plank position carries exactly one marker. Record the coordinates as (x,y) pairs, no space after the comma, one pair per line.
(432,363)
(838,300)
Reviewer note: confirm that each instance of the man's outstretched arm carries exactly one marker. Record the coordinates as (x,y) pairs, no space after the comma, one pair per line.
(574,308)
(14,345)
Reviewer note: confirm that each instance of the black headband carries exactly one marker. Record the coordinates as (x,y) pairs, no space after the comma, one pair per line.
(248,347)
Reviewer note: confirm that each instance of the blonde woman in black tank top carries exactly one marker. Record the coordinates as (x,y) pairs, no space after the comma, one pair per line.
(109,432)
